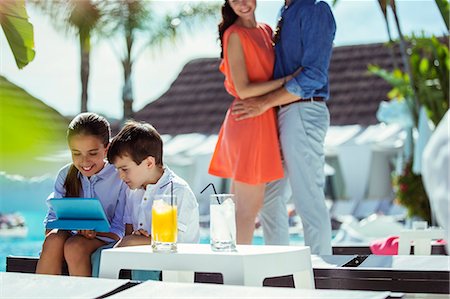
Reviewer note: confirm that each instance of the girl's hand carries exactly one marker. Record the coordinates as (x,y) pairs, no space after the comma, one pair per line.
(141,232)
(88,234)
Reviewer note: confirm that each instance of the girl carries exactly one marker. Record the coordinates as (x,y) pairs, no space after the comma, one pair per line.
(247,151)
(89,175)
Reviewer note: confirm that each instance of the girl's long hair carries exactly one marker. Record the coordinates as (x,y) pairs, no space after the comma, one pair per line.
(228,19)
(88,124)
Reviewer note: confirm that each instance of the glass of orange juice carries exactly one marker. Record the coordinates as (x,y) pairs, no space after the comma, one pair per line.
(164,223)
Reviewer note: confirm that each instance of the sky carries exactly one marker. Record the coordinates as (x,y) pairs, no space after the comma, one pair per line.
(53,76)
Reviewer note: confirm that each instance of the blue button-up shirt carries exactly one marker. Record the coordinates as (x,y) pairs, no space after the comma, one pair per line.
(105,185)
(307,33)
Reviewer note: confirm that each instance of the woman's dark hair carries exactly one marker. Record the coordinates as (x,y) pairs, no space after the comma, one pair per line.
(88,124)
(228,19)
(137,140)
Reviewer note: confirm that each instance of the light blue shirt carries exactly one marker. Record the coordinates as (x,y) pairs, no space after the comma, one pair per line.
(138,211)
(307,34)
(106,186)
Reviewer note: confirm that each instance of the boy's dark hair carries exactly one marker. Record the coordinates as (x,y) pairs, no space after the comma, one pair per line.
(138,141)
(87,124)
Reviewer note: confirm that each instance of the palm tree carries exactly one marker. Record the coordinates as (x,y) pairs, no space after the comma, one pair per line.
(383,7)
(132,17)
(83,17)
(443,6)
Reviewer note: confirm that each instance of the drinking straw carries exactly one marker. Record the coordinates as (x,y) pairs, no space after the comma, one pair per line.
(214,188)
(171,191)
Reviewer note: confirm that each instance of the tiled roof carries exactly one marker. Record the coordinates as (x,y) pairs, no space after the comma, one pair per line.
(197,101)
(355,93)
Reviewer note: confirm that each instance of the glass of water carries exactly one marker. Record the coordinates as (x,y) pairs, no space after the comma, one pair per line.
(222,222)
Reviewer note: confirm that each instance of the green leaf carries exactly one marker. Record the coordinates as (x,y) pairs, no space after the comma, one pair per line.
(424,65)
(394,94)
(29,129)
(18,31)
(443,6)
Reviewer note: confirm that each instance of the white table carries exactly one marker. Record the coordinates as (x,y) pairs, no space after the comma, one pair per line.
(249,265)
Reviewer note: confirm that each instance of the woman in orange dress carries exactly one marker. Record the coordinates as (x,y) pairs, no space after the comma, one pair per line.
(247,151)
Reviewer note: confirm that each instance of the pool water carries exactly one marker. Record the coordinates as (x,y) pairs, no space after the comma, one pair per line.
(29,246)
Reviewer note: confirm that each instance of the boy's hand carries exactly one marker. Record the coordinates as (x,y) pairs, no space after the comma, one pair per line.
(88,234)
(141,232)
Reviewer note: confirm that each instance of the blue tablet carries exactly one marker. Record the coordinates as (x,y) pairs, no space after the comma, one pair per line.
(75,213)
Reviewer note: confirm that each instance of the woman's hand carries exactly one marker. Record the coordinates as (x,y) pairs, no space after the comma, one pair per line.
(88,234)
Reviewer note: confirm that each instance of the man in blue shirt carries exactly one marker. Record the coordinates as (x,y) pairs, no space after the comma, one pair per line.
(304,38)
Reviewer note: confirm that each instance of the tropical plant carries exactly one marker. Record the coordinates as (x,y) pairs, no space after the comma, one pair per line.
(83,17)
(443,6)
(430,68)
(410,193)
(18,31)
(423,81)
(430,64)
(130,18)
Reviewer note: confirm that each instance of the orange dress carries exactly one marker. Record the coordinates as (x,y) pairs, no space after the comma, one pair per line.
(248,151)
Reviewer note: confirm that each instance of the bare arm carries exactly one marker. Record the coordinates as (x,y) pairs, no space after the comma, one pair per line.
(257,105)
(244,88)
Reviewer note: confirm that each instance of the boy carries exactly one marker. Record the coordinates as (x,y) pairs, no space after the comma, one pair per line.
(137,153)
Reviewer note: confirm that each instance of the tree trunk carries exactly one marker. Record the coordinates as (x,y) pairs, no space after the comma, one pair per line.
(405,59)
(127,91)
(383,7)
(84,69)
(391,45)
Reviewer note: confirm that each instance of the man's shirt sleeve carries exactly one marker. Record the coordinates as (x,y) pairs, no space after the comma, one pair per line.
(318,28)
